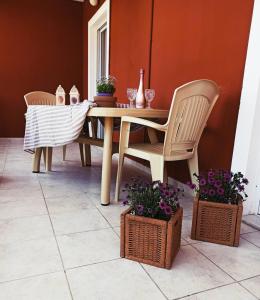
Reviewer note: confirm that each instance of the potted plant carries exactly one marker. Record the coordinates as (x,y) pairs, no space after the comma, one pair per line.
(217,206)
(105,91)
(151,227)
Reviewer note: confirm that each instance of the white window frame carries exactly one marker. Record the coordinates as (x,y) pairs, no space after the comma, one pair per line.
(100,31)
(101,17)
(246,154)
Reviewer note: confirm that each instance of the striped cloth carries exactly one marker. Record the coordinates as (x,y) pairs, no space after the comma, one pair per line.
(52,126)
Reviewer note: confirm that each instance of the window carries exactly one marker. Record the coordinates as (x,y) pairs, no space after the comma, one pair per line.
(102,52)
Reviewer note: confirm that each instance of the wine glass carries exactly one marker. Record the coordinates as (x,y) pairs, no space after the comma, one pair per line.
(131,95)
(149,96)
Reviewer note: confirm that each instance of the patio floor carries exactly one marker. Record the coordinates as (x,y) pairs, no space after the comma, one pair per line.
(58,243)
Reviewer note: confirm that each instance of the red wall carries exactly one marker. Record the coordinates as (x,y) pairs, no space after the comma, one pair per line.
(190,40)
(203,39)
(41,47)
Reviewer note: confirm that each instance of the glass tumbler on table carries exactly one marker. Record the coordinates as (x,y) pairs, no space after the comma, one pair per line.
(149,96)
(131,95)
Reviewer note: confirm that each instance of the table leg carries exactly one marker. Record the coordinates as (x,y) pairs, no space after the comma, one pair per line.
(37,160)
(107,161)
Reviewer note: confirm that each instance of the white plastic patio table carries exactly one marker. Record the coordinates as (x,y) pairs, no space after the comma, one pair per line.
(108,113)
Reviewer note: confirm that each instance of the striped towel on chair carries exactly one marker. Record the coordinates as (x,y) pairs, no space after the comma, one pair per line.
(52,126)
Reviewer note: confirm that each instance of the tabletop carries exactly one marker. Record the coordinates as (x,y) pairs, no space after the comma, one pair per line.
(133,112)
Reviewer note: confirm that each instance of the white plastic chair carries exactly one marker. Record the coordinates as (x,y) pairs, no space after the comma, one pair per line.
(190,109)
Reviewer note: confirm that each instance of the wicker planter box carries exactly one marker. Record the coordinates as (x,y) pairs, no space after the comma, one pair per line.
(150,241)
(216,222)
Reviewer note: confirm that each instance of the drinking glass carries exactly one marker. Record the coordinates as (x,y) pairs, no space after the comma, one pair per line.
(131,95)
(149,96)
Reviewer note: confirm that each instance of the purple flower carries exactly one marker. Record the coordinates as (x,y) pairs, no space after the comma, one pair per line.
(190,185)
(212,193)
(168,210)
(167,193)
(220,191)
(140,209)
(211,173)
(241,188)
(218,183)
(245,181)
(203,181)
(193,186)
(211,181)
(227,176)
(125,202)
(162,204)
(204,191)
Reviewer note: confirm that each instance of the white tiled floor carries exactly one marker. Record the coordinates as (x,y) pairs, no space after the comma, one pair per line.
(58,243)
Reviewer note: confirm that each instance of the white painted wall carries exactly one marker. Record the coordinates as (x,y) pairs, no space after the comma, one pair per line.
(246,155)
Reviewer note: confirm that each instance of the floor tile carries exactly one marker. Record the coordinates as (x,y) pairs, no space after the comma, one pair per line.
(252,220)
(191,273)
(230,292)
(112,213)
(78,221)
(187,205)
(239,262)
(89,247)
(25,208)
(28,258)
(186,230)
(20,194)
(22,229)
(44,287)
(115,280)
(77,202)
(19,182)
(253,285)
(253,237)
(246,228)
(60,190)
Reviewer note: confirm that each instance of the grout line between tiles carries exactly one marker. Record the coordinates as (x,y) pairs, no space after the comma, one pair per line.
(56,241)
(30,277)
(213,262)
(84,231)
(243,287)
(91,264)
(207,290)
(243,238)
(153,281)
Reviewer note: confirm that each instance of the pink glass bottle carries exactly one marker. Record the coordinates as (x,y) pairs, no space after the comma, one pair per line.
(140,99)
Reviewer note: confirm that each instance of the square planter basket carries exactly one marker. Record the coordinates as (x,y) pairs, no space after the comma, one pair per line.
(216,222)
(150,241)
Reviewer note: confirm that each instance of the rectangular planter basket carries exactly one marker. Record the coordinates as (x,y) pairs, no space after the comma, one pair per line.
(150,241)
(216,222)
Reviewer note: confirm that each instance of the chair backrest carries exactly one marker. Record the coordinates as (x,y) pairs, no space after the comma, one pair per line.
(190,109)
(40,98)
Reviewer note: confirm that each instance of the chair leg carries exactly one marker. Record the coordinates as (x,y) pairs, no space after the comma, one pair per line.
(119,176)
(48,159)
(37,160)
(158,169)
(64,149)
(193,166)
(87,151)
(81,155)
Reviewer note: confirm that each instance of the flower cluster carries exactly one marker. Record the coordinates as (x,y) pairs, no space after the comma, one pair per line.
(220,186)
(154,200)
(106,85)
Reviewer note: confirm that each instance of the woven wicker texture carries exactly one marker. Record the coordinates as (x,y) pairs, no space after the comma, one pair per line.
(151,241)
(216,222)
